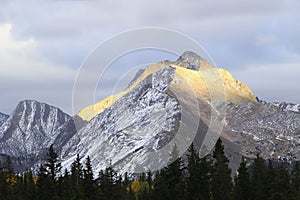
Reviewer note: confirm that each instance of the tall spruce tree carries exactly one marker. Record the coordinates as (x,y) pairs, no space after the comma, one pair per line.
(221,174)
(259,179)
(295,181)
(198,179)
(66,186)
(45,185)
(77,178)
(175,176)
(161,190)
(281,184)
(88,181)
(53,165)
(242,186)
(5,189)
(109,186)
(10,179)
(270,179)
(29,192)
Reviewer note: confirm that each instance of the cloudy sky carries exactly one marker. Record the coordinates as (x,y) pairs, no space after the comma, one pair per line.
(44,43)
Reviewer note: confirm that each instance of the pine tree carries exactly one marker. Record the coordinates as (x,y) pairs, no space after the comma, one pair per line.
(193,179)
(295,179)
(77,178)
(29,186)
(88,181)
(270,179)
(198,180)
(109,186)
(5,188)
(66,186)
(161,190)
(175,177)
(150,182)
(242,184)
(10,179)
(281,185)
(45,185)
(2,182)
(53,165)
(259,179)
(221,174)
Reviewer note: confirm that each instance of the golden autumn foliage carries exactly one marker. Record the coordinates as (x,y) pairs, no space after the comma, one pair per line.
(139,187)
(11,180)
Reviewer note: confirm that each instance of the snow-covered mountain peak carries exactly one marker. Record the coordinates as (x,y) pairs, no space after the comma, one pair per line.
(191,60)
(32,126)
(191,69)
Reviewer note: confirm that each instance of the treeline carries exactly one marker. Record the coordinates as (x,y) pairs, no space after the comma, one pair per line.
(207,178)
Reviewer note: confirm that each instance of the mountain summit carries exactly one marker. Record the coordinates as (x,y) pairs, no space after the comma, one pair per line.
(189,68)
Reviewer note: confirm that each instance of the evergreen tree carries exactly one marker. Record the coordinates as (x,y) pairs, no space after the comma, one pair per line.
(29,191)
(270,179)
(109,187)
(10,179)
(150,182)
(142,177)
(53,165)
(161,190)
(281,185)
(5,189)
(175,176)
(77,178)
(45,185)
(198,180)
(295,179)
(242,184)
(88,181)
(66,186)
(221,174)
(259,179)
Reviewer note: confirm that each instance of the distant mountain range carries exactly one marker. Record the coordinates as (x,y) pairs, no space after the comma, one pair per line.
(126,129)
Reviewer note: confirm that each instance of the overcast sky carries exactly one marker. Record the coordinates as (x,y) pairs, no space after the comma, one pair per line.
(43,43)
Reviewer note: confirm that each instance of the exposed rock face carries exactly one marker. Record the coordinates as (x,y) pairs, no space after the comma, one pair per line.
(264,129)
(3,118)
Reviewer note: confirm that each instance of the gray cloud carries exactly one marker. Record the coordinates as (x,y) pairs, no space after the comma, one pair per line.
(241,36)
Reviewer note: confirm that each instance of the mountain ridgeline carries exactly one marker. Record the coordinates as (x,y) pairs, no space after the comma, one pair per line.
(124,129)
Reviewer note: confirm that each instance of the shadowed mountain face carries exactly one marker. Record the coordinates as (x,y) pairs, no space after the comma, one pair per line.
(167,103)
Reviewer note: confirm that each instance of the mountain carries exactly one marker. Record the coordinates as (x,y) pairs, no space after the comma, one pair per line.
(167,103)
(32,128)
(161,104)
(125,128)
